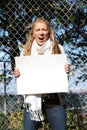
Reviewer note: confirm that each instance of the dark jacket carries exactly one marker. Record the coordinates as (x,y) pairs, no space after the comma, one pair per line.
(53,99)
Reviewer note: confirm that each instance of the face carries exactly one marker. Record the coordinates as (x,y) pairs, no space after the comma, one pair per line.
(41,33)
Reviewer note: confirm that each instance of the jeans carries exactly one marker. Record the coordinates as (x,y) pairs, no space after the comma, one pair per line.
(56,117)
(29,124)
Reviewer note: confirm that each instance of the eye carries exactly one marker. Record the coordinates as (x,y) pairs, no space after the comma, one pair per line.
(45,29)
(37,29)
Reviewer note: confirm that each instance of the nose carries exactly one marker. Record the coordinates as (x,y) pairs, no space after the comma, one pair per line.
(41,32)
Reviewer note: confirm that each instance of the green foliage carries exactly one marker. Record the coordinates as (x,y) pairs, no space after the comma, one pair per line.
(58,21)
(13,121)
(72,121)
(20,46)
(2,76)
(3,122)
(76,121)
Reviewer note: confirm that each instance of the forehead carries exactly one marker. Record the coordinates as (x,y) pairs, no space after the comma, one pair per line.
(40,24)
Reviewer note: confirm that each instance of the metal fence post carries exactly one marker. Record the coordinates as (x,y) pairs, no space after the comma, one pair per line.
(5,88)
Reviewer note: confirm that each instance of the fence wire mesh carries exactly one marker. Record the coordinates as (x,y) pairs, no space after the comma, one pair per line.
(69,20)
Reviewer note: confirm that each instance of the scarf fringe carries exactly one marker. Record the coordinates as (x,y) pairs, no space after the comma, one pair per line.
(36,115)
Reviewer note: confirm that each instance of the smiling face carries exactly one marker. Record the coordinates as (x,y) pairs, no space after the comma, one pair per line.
(41,32)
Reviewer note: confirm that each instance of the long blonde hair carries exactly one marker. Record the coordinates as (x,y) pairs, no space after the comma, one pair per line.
(28,45)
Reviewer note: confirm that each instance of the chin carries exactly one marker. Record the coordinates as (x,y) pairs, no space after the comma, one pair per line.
(41,43)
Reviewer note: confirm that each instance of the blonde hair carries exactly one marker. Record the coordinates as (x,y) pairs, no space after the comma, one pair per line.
(28,45)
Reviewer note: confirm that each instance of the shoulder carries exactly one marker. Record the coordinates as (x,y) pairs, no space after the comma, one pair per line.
(22,52)
(61,48)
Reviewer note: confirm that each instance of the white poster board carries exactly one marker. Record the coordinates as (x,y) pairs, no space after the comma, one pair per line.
(41,74)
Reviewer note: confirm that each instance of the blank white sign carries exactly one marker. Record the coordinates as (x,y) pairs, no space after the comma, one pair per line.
(41,74)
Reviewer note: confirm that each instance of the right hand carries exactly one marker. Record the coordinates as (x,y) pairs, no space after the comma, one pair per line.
(16,72)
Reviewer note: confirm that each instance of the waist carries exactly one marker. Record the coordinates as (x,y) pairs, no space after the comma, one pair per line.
(50,106)
(53,100)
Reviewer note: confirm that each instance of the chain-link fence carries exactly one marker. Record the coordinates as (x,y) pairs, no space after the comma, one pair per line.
(69,20)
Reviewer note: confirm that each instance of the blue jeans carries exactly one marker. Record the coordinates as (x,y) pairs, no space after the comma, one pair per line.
(29,124)
(56,117)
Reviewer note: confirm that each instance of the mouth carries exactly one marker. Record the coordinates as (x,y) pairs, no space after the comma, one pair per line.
(41,39)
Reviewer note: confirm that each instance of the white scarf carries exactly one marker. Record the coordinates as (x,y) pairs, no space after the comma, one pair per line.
(34,101)
(45,49)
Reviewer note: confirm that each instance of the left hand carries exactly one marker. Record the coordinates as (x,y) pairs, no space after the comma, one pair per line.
(67,68)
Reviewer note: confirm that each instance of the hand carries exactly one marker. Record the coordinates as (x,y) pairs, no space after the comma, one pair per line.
(67,68)
(16,72)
